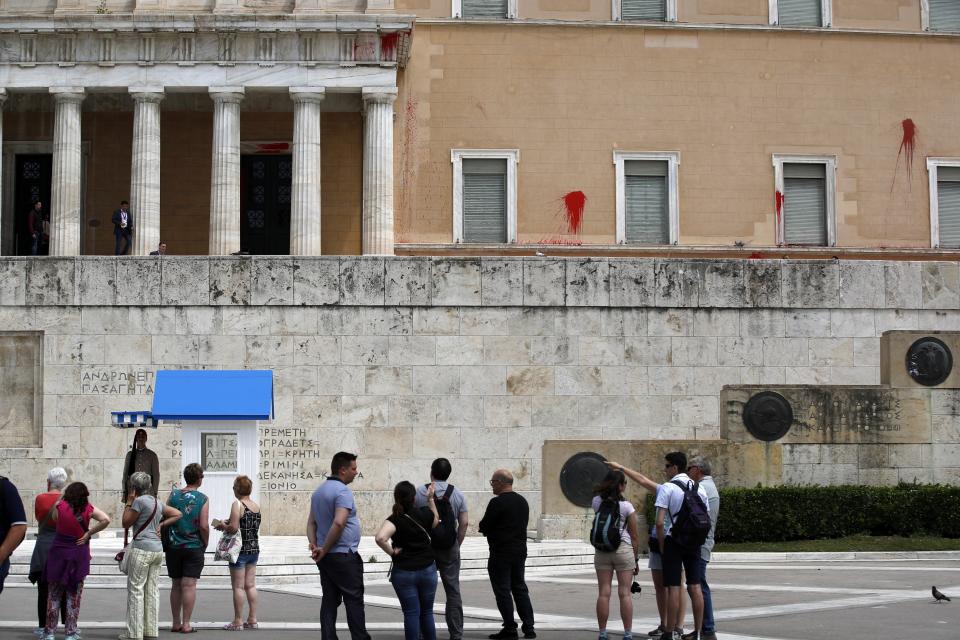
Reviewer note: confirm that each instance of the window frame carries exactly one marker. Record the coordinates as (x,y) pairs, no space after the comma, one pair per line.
(672,158)
(512,156)
(826,14)
(616,11)
(933,164)
(830,175)
(456,9)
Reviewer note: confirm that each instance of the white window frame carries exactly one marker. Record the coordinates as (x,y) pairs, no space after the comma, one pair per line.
(932,165)
(456,9)
(826,13)
(830,174)
(925,15)
(672,158)
(512,156)
(616,10)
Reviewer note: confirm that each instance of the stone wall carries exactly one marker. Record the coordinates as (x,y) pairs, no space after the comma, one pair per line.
(479,360)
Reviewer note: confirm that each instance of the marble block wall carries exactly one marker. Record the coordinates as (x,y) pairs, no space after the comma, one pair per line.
(480,360)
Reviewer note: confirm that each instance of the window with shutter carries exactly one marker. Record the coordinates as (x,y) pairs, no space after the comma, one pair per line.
(643,10)
(800,13)
(805,203)
(484,200)
(484,9)
(944,15)
(948,206)
(647,219)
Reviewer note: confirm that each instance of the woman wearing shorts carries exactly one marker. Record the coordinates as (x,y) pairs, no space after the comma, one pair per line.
(623,561)
(187,540)
(245,518)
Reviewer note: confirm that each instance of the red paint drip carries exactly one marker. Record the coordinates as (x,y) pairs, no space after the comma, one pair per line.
(908,143)
(779,199)
(756,255)
(273,146)
(574,202)
(388,46)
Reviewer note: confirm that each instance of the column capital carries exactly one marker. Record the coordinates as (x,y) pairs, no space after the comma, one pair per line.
(147,93)
(308,94)
(227,94)
(378,95)
(68,94)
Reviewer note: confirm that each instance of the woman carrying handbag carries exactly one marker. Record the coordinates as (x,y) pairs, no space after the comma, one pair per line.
(244,523)
(145,515)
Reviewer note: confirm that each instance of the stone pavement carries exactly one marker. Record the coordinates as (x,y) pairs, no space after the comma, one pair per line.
(785,598)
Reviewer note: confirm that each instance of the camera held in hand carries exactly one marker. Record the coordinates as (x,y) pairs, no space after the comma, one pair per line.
(635,587)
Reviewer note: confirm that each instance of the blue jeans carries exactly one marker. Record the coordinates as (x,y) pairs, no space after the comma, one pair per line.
(416,590)
(708,624)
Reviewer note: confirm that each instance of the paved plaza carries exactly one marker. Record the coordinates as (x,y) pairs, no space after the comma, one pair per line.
(781,598)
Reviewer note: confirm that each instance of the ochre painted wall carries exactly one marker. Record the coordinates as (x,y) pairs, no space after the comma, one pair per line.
(727,100)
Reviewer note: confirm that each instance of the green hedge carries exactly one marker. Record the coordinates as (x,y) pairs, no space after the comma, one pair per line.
(773,514)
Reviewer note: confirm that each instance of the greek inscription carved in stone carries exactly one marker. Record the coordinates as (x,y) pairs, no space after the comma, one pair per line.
(116,381)
(284,456)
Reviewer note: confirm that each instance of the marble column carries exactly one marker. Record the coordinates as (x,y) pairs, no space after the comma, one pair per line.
(225,173)
(145,170)
(378,170)
(65,191)
(305,196)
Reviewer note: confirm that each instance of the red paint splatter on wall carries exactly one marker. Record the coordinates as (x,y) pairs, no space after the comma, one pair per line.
(779,201)
(908,144)
(574,203)
(756,255)
(273,147)
(388,46)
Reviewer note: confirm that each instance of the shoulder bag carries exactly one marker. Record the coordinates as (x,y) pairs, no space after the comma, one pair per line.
(123,558)
(229,546)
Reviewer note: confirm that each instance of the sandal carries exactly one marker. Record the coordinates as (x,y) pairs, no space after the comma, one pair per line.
(188,630)
(176,629)
(233,627)
(250,625)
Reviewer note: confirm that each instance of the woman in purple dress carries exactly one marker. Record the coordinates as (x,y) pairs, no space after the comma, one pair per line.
(68,561)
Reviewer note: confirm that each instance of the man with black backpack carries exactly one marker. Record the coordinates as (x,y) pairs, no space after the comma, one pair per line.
(446,539)
(683,523)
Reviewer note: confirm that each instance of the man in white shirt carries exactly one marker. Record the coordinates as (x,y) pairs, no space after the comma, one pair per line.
(677,559)
(699,471)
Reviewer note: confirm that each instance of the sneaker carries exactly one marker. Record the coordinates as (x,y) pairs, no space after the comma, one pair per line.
(529,633)
(39,632)
(73,636)
(504,634)
(628,635)
(656,633)
(693,635)
(602,635)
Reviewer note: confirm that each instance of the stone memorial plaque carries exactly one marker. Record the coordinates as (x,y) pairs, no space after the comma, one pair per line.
(831,415)
(929,361)
(218,452)
(21,389)
(580,474)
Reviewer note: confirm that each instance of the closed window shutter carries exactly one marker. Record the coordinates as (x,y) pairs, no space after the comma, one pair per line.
(486,9)
(948,205)
(485,200)
(805,204)
(944,15)
(647,218)
(800,13)
(643,10)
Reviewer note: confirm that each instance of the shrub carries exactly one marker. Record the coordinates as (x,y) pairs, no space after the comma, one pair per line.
(774,514)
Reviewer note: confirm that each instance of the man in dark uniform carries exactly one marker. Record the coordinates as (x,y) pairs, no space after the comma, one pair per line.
(139,458)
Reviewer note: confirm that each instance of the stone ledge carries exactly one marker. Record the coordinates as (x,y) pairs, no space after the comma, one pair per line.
(479,282)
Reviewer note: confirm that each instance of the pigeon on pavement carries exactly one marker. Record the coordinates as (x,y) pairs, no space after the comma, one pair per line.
(937,596)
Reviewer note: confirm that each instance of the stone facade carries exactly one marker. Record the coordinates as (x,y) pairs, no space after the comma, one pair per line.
(479,360)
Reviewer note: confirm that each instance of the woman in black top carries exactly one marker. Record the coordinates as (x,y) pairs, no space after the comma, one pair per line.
(414,574)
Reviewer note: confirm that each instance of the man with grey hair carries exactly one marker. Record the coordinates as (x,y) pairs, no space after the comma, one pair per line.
(699,471)
(505,525)
(46,531)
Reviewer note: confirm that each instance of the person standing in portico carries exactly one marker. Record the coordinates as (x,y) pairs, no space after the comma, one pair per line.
(122,221)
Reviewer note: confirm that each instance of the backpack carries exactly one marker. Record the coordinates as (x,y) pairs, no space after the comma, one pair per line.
(444,535)
(691,525)
(606,532)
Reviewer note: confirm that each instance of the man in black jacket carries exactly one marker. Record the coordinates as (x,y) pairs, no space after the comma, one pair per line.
(122,229)
(505,526)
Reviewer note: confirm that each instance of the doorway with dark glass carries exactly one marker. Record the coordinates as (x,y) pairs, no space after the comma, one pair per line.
(32,184)
(265,184)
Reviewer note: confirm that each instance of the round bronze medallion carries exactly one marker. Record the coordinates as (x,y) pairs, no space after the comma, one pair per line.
(580,474)
(929,361)
(768,416)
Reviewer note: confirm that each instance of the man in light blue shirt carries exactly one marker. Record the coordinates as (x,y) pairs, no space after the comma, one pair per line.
(333,532)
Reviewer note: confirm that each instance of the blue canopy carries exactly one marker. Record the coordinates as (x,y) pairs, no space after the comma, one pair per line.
(213,395)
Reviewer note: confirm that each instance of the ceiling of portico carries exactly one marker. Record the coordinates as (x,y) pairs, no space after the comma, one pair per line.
(196,101)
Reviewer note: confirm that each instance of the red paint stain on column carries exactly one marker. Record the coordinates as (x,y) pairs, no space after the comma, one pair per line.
(388,46)
(574,203)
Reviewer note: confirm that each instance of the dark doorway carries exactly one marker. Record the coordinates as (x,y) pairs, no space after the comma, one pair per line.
(32,183)
(265,182)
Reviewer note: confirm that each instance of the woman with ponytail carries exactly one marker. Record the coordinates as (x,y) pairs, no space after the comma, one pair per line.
(405,537)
